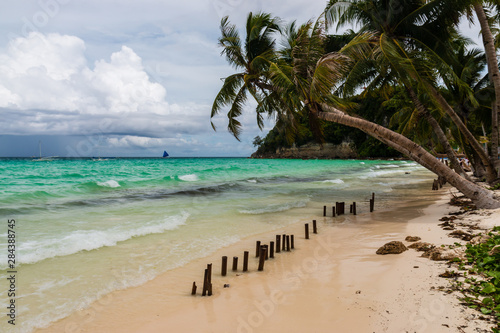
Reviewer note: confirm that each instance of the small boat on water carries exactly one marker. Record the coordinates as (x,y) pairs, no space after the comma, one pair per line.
(165,154)
(43,159)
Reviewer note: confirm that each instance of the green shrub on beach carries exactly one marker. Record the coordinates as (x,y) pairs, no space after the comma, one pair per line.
(481,287)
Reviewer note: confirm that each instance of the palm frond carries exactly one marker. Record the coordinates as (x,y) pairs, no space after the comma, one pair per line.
(227,93)
(231,44)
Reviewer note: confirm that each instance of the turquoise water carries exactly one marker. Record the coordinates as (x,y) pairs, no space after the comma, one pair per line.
(85,228)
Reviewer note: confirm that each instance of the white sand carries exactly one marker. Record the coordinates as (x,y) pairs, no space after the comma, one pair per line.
(333,282)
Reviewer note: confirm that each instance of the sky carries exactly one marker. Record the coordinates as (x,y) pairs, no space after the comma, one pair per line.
(122,77)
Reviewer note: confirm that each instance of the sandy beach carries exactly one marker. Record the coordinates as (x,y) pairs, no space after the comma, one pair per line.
(333,282)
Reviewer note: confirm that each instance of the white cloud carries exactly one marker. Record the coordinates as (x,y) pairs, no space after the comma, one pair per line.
(51,72)
(47,87)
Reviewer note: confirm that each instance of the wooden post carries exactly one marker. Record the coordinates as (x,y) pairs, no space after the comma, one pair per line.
(262,259)
(337,208)
(209,281)
(342,207)
(235,264)
(333,211)
(209,291)
(307,230)
(245,261)
(324,210)
(372,203)
(267,251)
(283,240)
(271,249)
(291,241)
(315,230)
(354,208)
(257,249)
(288,243)
(278,243)
(223,270)
(193,290)
(350,209)
(205,282)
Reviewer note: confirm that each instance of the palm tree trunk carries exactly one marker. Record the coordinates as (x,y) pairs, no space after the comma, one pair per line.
(491,174)
(494,74)
(479,195)
(439,133)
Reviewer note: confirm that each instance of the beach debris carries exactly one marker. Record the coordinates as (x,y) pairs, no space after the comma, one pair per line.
(358,292)
(495,250)
(441,253)
(462,235)
(421,246)
(449,274)
(412,238)
(226,285)
(448,218)
(394,247)
(479,239)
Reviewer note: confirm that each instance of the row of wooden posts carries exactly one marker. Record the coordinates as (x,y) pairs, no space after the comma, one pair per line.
(339,208)
(264,251)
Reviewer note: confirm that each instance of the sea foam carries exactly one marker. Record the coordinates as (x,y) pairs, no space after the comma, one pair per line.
(189,178)
(334,181)
(86,240)
(110,183)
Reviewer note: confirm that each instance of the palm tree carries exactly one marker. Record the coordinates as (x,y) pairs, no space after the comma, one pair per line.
(301,80)
(478,6)
(405,34)
(252,60)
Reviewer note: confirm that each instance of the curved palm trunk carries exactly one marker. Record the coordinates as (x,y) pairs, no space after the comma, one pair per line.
(439,133)
(479,195)
(491,174)
(493,72)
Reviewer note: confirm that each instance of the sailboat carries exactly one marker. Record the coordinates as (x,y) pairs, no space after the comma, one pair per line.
(41,159)
(165,154)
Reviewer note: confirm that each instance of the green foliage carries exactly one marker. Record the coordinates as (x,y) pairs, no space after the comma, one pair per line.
(483,292)
(377,107)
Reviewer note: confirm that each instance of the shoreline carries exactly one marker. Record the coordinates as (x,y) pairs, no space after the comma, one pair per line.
(334,280)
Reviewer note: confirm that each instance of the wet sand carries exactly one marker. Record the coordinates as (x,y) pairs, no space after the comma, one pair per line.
(333,282)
